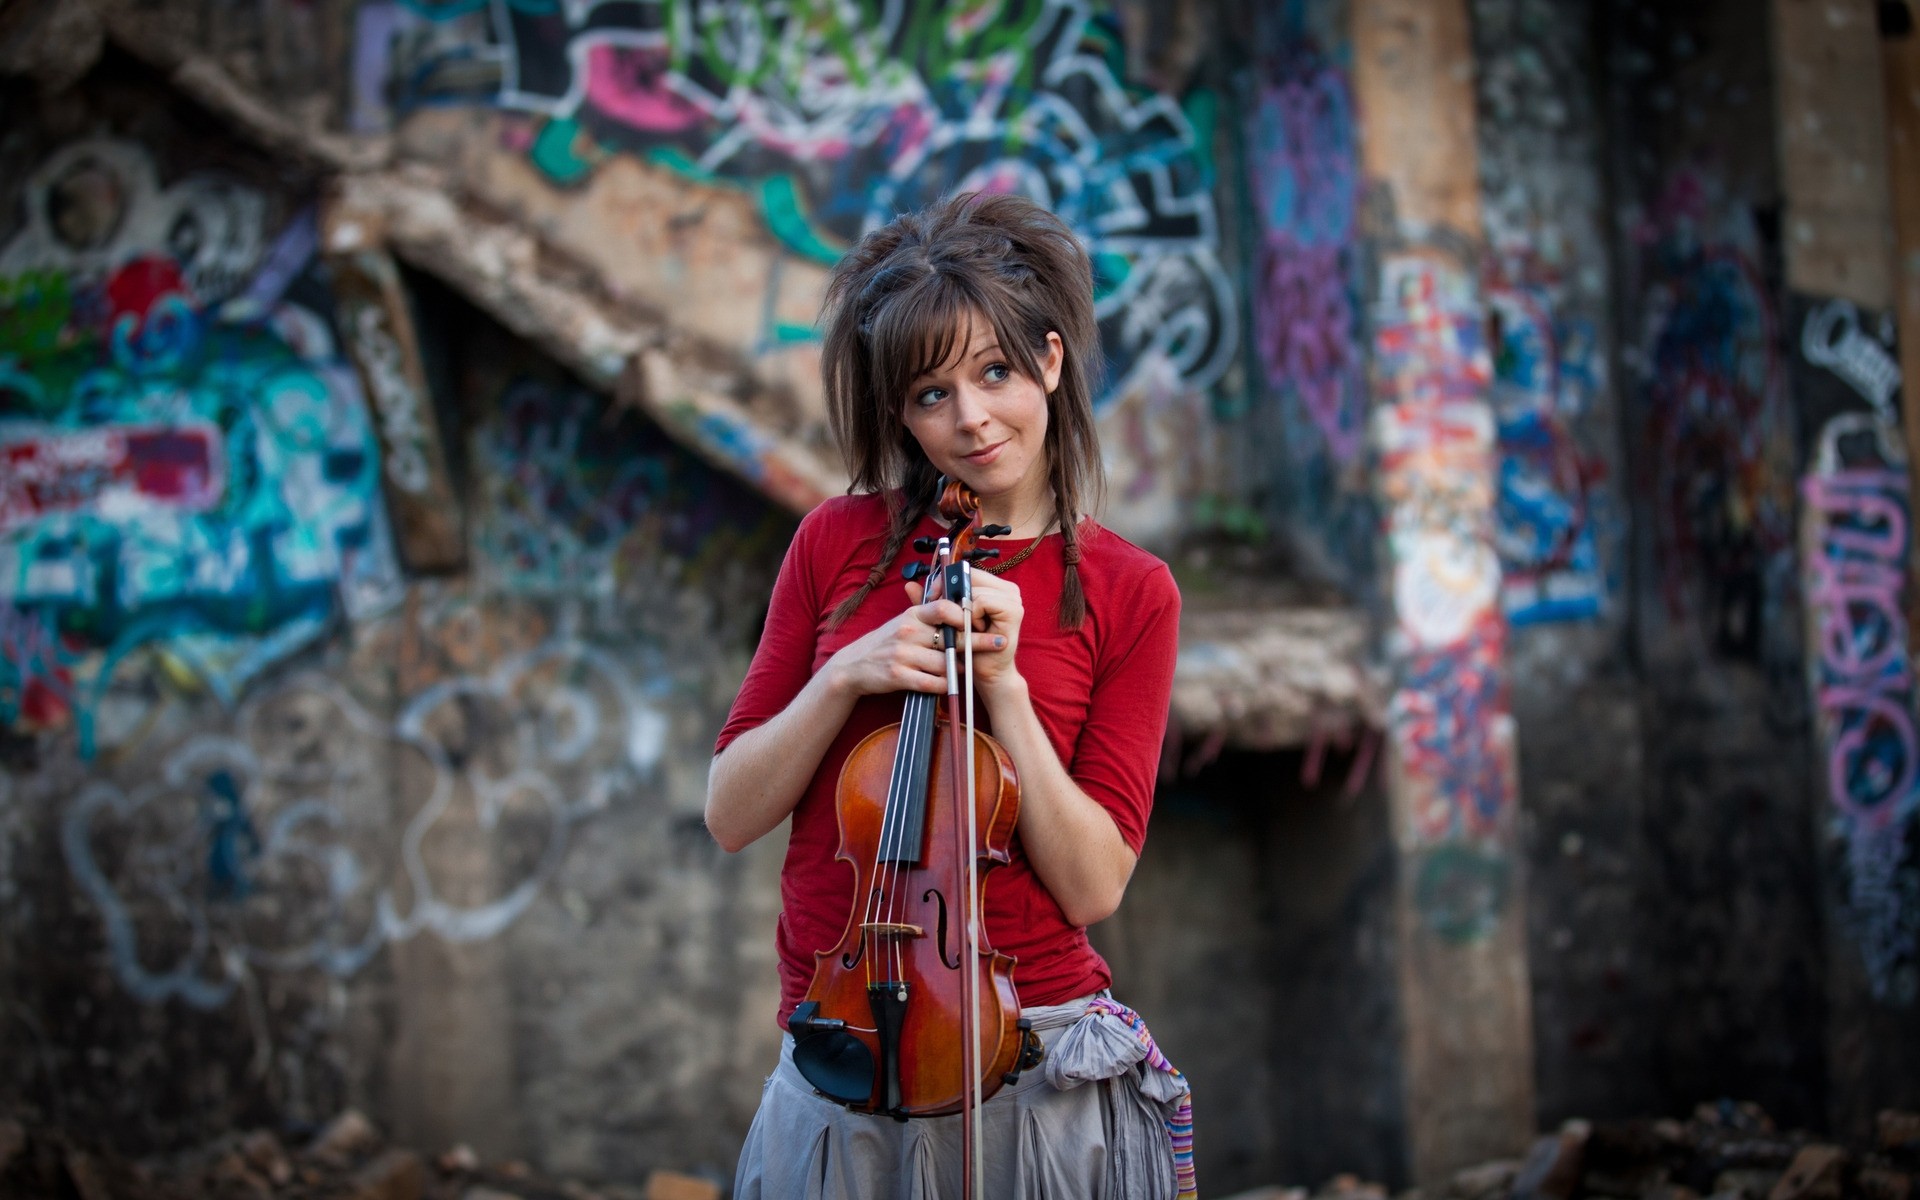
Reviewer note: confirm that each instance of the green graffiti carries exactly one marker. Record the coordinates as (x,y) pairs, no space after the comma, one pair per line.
(780,204)
(680,163)
(1460,889)
(1202,109)
(1110,271)
(447,10)
(555,152)
(34,309)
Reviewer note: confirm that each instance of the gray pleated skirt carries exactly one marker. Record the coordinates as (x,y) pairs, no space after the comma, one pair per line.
(1088,1124)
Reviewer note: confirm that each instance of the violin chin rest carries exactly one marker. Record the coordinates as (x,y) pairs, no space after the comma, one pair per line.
(837,1064)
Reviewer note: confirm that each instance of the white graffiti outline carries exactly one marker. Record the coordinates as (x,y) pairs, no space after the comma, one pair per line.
(308,829)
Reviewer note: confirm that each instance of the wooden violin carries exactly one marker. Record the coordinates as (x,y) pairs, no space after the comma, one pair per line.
(913,1014)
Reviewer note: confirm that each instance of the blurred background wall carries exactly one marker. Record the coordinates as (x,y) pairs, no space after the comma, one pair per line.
(405,404)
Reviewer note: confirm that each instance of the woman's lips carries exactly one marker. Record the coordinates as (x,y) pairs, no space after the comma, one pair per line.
(981,458)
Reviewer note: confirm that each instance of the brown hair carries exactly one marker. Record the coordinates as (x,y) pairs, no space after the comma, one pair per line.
(896,308)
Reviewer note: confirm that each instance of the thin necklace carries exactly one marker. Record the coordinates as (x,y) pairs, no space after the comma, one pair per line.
(1017,559)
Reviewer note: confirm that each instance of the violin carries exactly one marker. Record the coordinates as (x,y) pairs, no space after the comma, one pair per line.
(912,1013)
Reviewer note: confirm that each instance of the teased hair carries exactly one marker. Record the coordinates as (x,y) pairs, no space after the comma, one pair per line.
(897,306)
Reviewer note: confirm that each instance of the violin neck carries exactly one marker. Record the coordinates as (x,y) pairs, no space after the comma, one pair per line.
(906,819)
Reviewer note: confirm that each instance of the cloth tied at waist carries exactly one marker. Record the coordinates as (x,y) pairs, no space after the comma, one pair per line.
(1105,1039)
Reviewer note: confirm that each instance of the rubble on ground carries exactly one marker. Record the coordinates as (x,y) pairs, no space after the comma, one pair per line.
(347,1159)
(1726,1151)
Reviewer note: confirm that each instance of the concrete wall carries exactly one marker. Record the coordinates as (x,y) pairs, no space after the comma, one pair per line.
(1562,530)
(1732,919)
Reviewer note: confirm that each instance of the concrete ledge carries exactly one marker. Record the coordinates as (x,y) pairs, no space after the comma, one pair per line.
(1274,677)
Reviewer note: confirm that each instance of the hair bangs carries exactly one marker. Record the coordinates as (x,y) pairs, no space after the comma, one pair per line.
(933,323)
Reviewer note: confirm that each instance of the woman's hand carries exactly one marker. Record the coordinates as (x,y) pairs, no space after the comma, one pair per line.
(907,653)
(997,613)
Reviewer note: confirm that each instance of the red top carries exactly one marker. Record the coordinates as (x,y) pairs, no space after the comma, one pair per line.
(1100,691)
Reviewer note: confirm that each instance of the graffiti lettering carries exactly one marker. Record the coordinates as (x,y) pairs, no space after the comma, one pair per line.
(1856,581)
(189,464)
(124,470)
(839,117)
(1832,338)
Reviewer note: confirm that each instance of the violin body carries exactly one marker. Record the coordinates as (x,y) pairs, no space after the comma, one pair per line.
(894,983)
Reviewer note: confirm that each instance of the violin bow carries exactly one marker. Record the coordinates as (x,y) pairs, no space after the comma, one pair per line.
(971,982)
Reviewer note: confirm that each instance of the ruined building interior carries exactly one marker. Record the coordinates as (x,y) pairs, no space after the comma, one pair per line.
(405,405)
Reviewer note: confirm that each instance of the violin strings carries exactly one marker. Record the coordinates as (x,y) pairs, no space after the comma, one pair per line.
(892,834)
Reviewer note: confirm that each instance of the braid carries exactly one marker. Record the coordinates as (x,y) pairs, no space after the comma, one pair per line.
(898,527)
(1073,599)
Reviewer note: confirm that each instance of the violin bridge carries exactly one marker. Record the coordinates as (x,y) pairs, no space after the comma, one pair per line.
(892,929)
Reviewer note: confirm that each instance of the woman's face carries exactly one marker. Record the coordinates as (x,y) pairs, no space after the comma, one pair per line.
(984,423)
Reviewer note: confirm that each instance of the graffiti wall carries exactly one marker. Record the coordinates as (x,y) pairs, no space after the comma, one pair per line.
(1719,429)
(1449,715)
(1305,289)
(835,118)
(1856,543)
(1711,430)
(264,795)
(191,490)
(1546,288)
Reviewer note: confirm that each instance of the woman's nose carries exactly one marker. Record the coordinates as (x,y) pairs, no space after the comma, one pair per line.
(968,411)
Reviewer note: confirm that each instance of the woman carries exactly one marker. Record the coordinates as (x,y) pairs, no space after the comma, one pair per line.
(961,342)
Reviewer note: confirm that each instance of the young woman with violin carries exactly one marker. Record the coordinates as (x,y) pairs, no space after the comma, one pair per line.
(959,355)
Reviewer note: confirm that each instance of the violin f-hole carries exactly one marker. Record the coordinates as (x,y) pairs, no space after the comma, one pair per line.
(952,960)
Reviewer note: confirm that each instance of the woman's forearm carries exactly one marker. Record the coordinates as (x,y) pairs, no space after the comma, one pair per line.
(1072,842)
(755,782)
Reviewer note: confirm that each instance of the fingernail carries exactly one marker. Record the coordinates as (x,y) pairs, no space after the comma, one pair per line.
(999,643)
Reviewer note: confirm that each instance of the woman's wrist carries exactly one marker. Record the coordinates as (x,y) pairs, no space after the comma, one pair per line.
(1002,694)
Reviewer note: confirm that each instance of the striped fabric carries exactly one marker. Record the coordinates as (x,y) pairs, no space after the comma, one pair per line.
(1180,1124)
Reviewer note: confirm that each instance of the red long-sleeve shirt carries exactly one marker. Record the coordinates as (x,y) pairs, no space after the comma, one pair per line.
(1100,693)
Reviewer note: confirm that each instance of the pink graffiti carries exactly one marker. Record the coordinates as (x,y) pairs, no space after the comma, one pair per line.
(176,467)
(634,85)
(1306,340)
(1306,182)
(1866,691)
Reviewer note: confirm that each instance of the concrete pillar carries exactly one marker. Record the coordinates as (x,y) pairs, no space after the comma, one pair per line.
(1467,1029)
(1900,65)
(1855,537)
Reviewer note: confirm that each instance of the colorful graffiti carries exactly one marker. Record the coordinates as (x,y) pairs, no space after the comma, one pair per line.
(1434,432)
(1857,547)
(838,117)
(190,472)
(1305,176)
(1548,486)
(1714,390)
(574,492)
(268,845)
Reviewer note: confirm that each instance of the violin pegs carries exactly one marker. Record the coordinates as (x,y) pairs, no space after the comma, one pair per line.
(916,571)
(981,555)
(995,530)
(924,545)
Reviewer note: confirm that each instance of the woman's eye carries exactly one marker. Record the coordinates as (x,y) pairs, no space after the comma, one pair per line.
(930,397)
(999,373)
